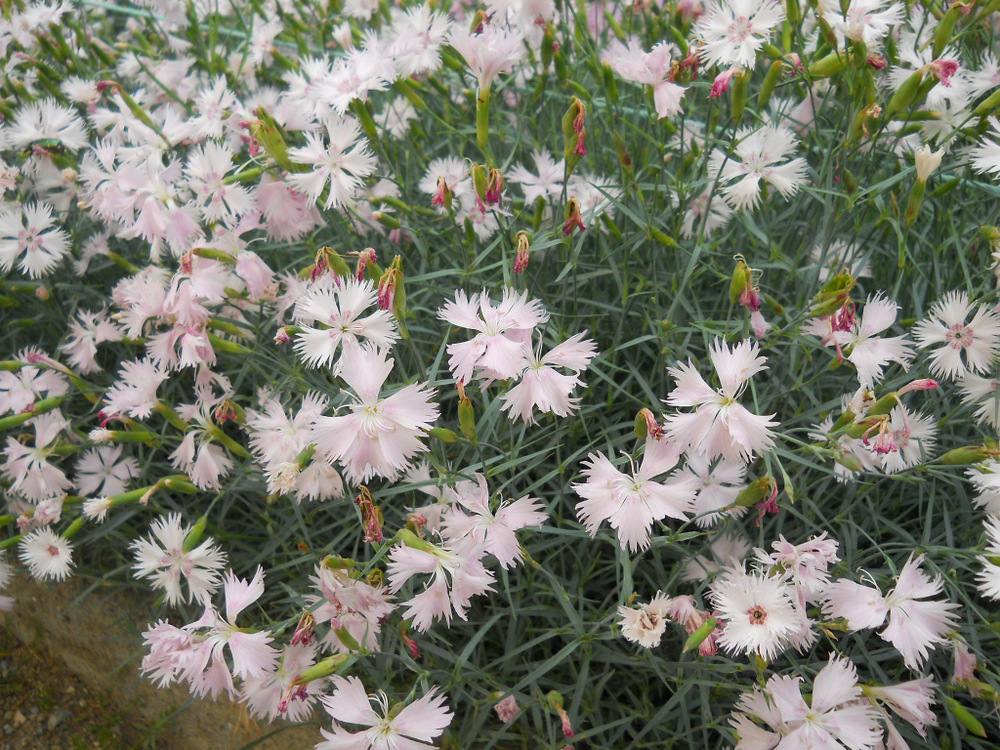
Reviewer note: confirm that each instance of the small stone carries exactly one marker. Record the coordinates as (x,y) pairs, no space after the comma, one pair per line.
(57,717)
(8,729)
(19,718)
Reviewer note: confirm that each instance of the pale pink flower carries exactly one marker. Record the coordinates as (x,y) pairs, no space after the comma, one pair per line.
(911,701)
(507,709)
(652,68)
(338,310)
(632,504)
(85,332)
(719,483)
(27,467)
(864,348)
(733,31)
(726,550)
(134,392)
(460,564)
(547,183)
(349,604)
(543,387)
(275,694)
(492,51)
(912,438)
(251,655)
(216,200)
(495,530)
(834,717)
(287,214)
(214,107)
(19,389)
(806,563)
(706,209)
(948,324)
(379,435)
(915,624)
(415,38)
(500,348)
(720,425)
(408,729)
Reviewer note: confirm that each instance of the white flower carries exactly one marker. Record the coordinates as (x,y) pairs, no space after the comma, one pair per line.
(948,324)
(338,312)
(341,164)
(865,21)
(646,623)
(734,31)
(986,156)
(756,158)
(759,612)
(46,554)
(926,161)
(29,232)
(720,426)
(163,559)
(989,577)
(407,729)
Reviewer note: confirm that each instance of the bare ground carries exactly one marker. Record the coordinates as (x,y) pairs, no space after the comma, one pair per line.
(69,678)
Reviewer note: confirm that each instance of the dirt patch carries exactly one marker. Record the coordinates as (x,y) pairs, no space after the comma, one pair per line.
(76,650)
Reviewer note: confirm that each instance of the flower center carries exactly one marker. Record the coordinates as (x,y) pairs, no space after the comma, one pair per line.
(757,615)
(740,29)
(959,336)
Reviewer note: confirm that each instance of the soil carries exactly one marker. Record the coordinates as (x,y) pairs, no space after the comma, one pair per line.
(69,679)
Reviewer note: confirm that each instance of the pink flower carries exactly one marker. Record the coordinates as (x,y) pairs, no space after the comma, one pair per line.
(500,348)
(633,503)
(653,68)
(720,426)
(380,434)
(409,728)
(488,53)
